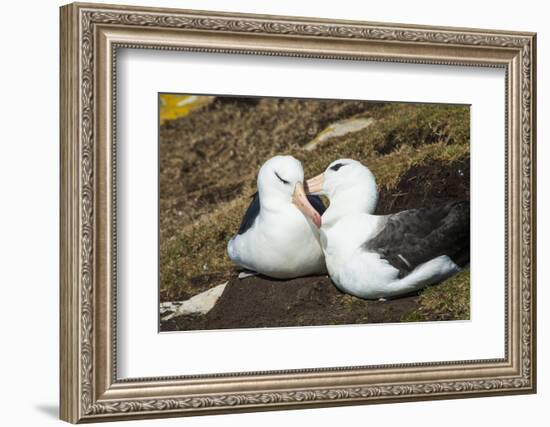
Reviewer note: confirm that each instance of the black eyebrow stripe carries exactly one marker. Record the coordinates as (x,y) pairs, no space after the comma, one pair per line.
(282,180)
(337,166)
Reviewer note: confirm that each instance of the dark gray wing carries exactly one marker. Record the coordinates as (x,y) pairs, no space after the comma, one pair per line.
(410,238)
(317,203)
(251,214)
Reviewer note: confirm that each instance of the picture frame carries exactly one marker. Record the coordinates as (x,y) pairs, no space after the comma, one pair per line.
(90,37)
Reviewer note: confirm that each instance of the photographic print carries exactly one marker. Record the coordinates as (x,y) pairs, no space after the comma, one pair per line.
(313,232)
(280,212)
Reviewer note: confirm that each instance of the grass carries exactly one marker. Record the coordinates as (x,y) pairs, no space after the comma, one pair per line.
(447,301)
(210,157)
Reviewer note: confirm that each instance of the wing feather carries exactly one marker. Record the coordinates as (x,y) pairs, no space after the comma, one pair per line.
(251,214)
(413,237)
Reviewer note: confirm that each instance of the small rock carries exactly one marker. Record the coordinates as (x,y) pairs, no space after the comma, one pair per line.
(338,129)
(199,304)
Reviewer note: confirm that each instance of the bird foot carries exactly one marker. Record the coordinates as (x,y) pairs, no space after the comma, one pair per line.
(245,274)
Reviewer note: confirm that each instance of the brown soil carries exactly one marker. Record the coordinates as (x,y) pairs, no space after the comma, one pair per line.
(432,183)
(257,302)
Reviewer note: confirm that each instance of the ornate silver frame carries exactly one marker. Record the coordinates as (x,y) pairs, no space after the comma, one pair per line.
(90,36)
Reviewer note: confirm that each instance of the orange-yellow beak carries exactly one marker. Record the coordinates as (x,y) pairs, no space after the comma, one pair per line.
(299,198)
(315,185)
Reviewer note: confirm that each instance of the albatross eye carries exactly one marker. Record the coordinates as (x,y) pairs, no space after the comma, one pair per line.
(284,181)
(337,166)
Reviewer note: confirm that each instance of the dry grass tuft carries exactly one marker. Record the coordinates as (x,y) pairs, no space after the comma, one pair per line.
(447,301)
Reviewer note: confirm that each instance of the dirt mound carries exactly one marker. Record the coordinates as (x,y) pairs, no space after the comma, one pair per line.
(432,183)
(258,302)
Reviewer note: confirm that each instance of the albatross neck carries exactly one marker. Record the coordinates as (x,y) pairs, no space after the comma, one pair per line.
(351,201)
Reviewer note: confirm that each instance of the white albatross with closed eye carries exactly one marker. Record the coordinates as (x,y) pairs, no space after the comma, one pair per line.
(279,234)
(381,256)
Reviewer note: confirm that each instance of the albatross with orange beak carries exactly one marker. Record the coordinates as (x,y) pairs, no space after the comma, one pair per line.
(380,256)
(279,233)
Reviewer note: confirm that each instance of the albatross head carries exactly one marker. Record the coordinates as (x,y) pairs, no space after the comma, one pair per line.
(349,185)
(281,180)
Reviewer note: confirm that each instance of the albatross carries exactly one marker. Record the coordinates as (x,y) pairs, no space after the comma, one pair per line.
(279,233)
(384,256)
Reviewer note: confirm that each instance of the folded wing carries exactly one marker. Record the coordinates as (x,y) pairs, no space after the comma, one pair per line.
(413,237)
